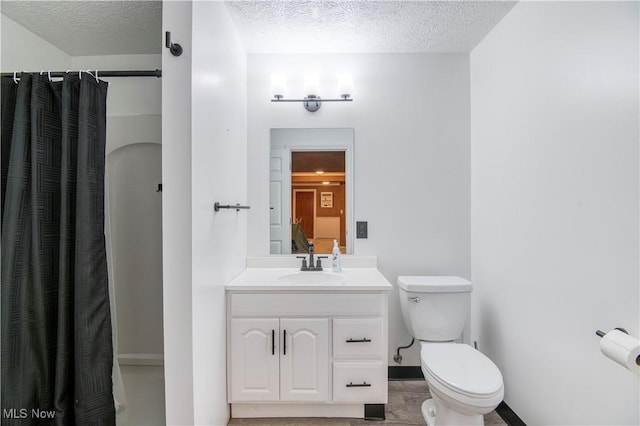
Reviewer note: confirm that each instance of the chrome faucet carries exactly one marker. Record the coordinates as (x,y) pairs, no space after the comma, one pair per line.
(310,266)
(312,250)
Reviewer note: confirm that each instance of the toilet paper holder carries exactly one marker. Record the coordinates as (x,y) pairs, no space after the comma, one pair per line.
(602,333)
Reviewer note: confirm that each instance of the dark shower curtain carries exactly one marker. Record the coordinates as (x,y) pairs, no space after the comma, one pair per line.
(57,354)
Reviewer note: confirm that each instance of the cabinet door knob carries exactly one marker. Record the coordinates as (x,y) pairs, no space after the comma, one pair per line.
(365,340)
(273,342)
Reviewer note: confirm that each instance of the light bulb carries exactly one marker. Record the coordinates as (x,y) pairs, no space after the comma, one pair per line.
(311,84)
(345,85)
(278,85)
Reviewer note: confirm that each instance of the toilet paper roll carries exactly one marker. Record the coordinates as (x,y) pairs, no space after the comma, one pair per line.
(623,349)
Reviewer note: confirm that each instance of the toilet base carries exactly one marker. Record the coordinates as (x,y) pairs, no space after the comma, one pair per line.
(429,412)
(435,413)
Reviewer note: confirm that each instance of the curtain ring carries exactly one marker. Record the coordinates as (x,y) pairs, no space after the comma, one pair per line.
(80,74)
(15,78)
(97,81)
(49,75)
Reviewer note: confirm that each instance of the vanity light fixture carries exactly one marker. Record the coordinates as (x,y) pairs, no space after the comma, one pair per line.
(312,101)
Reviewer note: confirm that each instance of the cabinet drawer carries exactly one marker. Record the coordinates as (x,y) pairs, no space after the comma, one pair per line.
(360,382)
(355,338)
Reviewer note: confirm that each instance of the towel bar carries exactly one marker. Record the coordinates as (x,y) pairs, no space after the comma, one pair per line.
(217,206)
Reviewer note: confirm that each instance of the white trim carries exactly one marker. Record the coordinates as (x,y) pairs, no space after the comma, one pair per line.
(297,410)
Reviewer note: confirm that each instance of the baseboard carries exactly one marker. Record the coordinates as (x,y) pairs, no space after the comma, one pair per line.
(405,373)
(508,415)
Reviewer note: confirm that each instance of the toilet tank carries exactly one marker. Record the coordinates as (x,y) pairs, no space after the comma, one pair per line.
(435,308)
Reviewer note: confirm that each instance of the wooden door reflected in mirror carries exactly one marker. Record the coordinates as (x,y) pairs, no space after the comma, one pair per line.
(318,198)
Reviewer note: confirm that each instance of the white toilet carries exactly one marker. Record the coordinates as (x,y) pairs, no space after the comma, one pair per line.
(463,382)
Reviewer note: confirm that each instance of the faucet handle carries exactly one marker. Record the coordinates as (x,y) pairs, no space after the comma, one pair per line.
(318,262)
(304,263)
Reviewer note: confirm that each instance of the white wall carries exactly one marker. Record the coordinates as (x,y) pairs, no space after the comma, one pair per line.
(219,173)
(554,124)
(176,216)
(22,50)
(204,160)
(411,119)
(127,96)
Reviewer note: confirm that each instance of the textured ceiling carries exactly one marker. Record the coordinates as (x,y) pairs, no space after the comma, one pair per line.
(81,28)
(320,26)
(293,26)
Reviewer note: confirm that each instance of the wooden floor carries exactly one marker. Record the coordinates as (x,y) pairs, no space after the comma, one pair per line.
(405,399)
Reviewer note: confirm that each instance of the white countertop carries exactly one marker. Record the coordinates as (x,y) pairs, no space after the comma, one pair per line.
(292,279)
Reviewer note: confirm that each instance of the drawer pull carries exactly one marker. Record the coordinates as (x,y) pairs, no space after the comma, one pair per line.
(365,340)
(359,385)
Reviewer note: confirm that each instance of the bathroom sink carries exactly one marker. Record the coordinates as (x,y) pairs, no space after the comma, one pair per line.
(311,277)
(293,279)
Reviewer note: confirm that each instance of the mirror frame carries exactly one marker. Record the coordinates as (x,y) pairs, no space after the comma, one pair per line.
(321,139)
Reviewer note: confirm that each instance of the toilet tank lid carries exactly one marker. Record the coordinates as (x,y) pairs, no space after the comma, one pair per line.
(433,284)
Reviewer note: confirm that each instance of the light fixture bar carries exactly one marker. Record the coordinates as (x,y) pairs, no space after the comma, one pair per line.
(313,100)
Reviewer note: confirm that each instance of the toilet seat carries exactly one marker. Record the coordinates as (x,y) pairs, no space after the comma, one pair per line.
(460,369)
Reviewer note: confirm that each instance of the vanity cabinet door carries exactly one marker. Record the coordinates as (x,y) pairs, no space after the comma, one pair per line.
(255,367)
(304,359)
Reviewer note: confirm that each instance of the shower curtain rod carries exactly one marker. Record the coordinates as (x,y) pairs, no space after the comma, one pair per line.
(148,73)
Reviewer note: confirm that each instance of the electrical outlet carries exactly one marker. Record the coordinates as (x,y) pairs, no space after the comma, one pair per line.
(361,229)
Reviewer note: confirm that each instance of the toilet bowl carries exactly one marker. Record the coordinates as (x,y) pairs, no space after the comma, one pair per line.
(463,383)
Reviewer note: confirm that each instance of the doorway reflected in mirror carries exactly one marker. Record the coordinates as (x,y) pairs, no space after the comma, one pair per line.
(318,200)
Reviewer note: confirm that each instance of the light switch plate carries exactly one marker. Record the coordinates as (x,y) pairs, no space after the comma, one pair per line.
(361,230)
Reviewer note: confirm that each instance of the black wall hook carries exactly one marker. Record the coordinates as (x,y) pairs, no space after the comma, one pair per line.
(174,48)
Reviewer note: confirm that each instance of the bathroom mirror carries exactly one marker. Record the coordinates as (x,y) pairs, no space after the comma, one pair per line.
(311,190)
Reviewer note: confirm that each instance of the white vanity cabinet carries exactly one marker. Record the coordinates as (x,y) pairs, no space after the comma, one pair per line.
(279,359)
(306,351)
